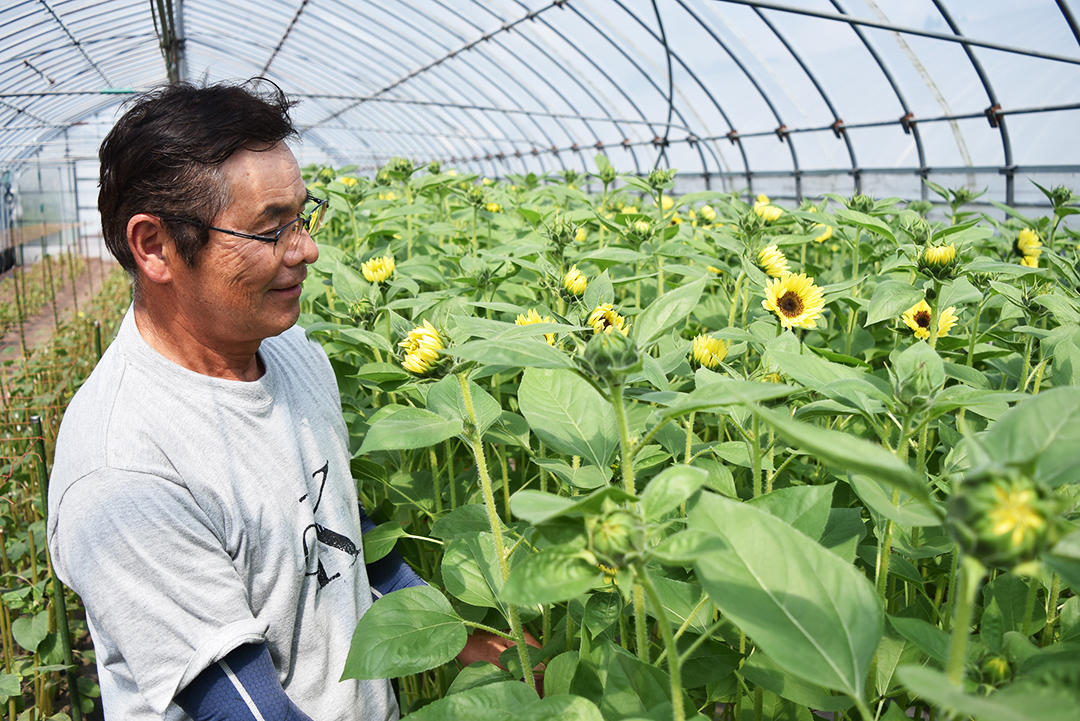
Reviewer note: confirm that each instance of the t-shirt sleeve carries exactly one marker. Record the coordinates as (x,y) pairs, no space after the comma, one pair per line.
(162,594)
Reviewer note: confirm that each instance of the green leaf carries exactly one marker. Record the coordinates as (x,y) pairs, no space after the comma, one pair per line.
(553,575)
(685,547)
(583,477)
(380,540)
(878,498)
(408,428)
(847,452)
(512,352)
(538,507)
(9,685)
(1042,432)
(891,298)
(561,708)
(569,415)
(670,488)
(29,632)
(444,398)
(726,392)
(1064,558)
(470,570)
(501,701)
(599,291)
(760,669)
(666,312)
(348,283)
(804,508)
(930,639)
(1046,703)
(866,222)
(816,616)
(405,632)
(622,685)
(463,520)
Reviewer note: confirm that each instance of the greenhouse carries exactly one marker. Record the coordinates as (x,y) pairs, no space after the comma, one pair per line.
(684,359)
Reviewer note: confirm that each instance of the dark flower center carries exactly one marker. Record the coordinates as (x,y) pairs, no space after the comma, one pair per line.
(922,319)
(790,304)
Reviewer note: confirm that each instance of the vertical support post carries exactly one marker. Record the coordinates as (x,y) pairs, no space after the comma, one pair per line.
(97,338)
(59,605)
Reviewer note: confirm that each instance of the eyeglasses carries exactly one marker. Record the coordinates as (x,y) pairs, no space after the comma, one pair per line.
(291,230)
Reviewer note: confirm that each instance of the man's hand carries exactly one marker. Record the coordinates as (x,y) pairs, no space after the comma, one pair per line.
(484,646)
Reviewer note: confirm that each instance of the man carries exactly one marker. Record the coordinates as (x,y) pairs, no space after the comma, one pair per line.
(201,502)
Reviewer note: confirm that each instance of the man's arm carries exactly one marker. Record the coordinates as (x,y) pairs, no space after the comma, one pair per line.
(243,686)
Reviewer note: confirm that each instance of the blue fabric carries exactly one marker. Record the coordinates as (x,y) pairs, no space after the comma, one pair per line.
(390,572)
(213,696)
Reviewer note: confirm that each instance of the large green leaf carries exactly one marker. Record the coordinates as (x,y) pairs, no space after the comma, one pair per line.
(1047,702)
(726,392)
(445,399)
(569,415)
(405,632)
(816,616)
(512,352)
(847,452)
(408,428)
(550,576)
(501,701)
(538,507)
(1042,432)
(804,508)
(667,311)
(30,631)
(623,686)
(891,298)
(670,488)
(470,570)
(759,669)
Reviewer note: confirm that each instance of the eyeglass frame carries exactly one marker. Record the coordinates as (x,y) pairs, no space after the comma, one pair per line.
(316,213)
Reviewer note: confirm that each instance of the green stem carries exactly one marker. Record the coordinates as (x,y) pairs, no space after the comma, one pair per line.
(1029,606)
(1051,611)
(516,629)
(641,622)
(755,450)
(974,333)
(735,299)
(435,480)
(659,275)
(449,458)
(689,437)
(626,448)
(641,576)
(971,575)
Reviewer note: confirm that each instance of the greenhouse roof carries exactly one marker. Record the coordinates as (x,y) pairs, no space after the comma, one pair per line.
(802,95)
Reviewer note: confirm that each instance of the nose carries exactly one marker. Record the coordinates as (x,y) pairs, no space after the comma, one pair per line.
(301,248)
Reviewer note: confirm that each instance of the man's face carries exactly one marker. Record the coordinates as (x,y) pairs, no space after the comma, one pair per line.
(242,291)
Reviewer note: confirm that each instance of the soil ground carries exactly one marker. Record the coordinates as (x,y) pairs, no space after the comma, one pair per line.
(40,328)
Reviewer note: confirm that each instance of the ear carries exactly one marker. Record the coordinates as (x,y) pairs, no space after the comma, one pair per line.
(152,247)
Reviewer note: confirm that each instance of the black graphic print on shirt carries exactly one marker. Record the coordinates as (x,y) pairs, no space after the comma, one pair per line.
(328,538)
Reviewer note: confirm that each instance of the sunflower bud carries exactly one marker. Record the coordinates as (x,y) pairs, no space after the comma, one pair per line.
(574,282)
(434,167)
(607,175)
(362,311)
(861,203)
(561,232)
(612,356)
(708,351)
(659,179)
(1002,517)
(615,533)
(995,670)
(938,261)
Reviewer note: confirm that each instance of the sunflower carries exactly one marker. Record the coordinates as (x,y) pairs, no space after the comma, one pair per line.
(493,208)
(765,209)
(1029,247)
(708,351)
(918,318)
(939,255)
(824,232)
(772,261)
(574,282)
(533,317)
(422,347)
(1013,513)
(707,213)
(579,236)
(604,318)
(378,270)
(795,299)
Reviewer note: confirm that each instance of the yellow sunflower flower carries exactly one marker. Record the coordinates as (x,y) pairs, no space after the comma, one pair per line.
(579,236)
(493,208)
(772,261)
(707,213)
(767,211)
(1029,247)
(388,195)
(533,317)
(378,270)
(347,180)
(918,318)
(574,282)
(421,347)
(604,318)
(939,255)
(795,299)
(667,203)
(825,232)
(1014,514)
(708,351)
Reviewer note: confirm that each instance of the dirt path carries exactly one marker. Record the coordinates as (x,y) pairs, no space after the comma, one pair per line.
(39,329)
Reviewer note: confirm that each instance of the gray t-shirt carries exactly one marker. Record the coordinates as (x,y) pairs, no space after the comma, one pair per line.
(194,514)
